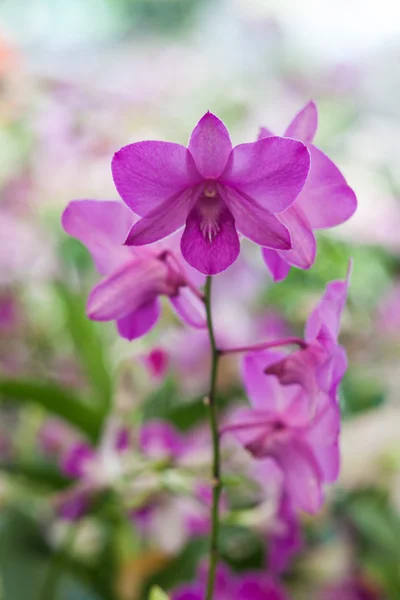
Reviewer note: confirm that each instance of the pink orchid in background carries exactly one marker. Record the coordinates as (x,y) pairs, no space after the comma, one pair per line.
(135,278)
(168,518)
(93,469)
(283,531)
(282,424)
(285,540)
(320,366)
(55,437)
(212,190)
(252,585)
(324,202)
(157,362)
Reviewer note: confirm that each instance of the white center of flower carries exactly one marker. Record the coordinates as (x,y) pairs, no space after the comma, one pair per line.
(210,191)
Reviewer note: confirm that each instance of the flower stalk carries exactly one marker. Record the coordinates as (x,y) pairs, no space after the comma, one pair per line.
(211,404)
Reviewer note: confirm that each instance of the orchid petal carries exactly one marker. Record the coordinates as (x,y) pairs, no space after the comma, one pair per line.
(302,474)
(326,199)
(127,289)
(323,435)
(210,146)
(304,125)
(149,174)
(256,223)
(271,171)
(264,133)
(304,246)
(278,267)
(263,391)
(189,308)
(138,323)
(210,256)
(102,226)
(164,223)
(324,321)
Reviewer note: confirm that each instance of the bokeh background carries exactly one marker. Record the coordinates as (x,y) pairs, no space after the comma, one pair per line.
(78,80)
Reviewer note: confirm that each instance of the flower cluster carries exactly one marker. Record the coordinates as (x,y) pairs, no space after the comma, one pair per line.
(183,215)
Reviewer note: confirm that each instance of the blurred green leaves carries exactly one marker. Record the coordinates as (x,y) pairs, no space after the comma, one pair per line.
(88,346)
(374,525)
(56,400)
(156,593)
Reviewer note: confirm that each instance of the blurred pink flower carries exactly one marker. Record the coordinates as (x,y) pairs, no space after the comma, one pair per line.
(324,202)
(135,278)
(55,437)
(252,585)
(157,362)
(301,437)
(213,190)
(93,469)
(170,519)
(320,366)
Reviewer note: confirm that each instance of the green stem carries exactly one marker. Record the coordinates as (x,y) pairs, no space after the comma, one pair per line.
(54,571)
(216,467)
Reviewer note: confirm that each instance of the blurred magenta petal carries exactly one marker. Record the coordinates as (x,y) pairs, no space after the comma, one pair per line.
(324,436)
(189,308)
(102,226)
(75,459)
(326,198)
(262,390)
(271,171)
(304,125)
(149,174)
(210,146)
(157,361)
(160,439)
(257,224)
(139,322)
(285,540)
(277,266)
(124,291)
(324,321)
(73,505)
(258,586)
(264,133)
(210,256)
(302,475)
(246,585)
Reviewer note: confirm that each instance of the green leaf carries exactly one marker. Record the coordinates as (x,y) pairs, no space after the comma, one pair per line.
(23,556)
(37,473)
(156,593)
(54,399)
(88,345)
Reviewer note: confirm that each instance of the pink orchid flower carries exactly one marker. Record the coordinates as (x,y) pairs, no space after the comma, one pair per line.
(320,366)
(282,425)
(324,202)
(212,190)
(135,278)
